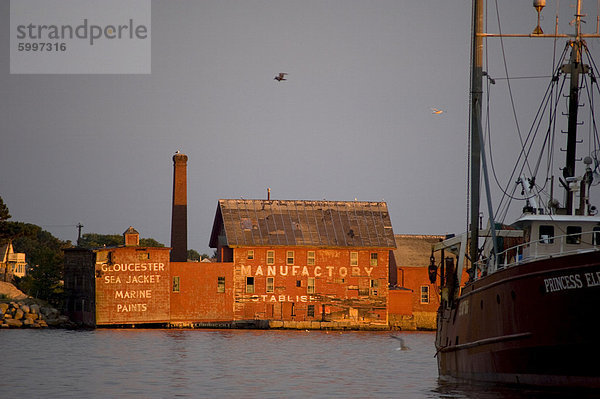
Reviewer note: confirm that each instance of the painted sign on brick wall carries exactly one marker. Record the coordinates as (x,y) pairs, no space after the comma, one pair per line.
(132,285)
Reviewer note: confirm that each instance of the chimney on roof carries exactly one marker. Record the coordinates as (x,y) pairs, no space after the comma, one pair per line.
(268,193)
(179,213)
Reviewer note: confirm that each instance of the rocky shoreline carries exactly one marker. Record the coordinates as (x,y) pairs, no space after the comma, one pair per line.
(17,310)
(20,314)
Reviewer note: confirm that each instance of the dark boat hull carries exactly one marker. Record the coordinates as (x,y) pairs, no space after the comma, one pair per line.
(535,323)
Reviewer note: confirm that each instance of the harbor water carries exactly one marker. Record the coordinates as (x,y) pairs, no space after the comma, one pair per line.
(138,363)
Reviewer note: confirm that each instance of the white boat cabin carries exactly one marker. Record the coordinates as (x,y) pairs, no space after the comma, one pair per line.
(555,235)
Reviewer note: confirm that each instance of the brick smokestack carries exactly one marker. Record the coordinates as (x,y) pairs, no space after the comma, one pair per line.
(179,213)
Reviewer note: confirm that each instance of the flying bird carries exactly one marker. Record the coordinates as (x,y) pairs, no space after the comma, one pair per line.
(280,77)
(402,346)
(436,111)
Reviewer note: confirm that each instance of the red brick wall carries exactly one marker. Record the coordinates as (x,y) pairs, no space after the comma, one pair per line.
(132,285)
(414,279)
(342,291)
(400,302)
(198,299)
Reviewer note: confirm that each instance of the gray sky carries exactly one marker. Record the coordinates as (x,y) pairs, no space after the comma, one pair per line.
(354,119)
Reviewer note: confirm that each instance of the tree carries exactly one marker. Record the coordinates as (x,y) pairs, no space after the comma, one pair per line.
(44,254)
(93,240)
(192,254)
(4,214)
(150,242)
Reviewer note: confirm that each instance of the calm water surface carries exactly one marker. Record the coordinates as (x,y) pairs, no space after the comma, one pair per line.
(228,364)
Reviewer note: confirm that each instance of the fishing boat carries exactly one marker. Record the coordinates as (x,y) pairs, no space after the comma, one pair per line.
(520,299)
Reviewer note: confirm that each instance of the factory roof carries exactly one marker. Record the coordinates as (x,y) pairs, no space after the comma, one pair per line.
(244,223)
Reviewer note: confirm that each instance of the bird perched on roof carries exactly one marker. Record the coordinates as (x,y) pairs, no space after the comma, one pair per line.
(280,77)
(436,111)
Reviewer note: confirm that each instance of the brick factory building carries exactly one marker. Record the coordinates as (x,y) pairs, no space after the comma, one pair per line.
(306,261)
(281,264)
(290,264)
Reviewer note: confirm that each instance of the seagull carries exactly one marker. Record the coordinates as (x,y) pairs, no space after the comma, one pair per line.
(436,111)
(280,77)
(402,346)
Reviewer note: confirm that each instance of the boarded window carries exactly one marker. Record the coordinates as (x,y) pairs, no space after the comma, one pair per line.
(424,294)
(310,311)
(250,285)
(310,287)
(176,284)
(546,234)
(373,258)
(220,284)
(270,257)
(374,287)
(270,284)
(289,259)
(353,258)
(573,234)
(310,258)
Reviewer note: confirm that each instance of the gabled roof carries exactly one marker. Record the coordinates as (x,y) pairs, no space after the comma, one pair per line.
(248,223)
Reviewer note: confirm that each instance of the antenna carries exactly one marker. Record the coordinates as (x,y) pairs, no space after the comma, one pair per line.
(79,227)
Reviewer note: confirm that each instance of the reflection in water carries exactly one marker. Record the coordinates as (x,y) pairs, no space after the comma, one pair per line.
(230,363)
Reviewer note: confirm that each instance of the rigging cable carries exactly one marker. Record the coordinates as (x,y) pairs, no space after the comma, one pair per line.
(508,80)
(527,147)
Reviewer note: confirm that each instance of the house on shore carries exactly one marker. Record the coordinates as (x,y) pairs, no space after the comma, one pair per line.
(12,264)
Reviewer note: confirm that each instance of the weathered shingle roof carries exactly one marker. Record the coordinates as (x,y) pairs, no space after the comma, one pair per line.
(302,223)
(414,250)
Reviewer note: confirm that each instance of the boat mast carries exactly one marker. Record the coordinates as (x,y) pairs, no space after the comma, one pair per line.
(574,68)
(476,99)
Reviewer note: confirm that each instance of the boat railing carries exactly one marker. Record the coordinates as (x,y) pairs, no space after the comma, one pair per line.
(547,247)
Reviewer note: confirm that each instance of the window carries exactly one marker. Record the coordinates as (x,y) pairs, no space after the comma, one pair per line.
(310,312)
(293,309)
(270,257)
(298,283)
(270,284)
(310,258)
(353,258)
(250,285)
(143,255)
(374,287)
(220,284)
(310,287)
(596,236)
(289,259)
(573,234)
(546,234)
(424,294)
(176,284)
(373,258)
(250,254)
